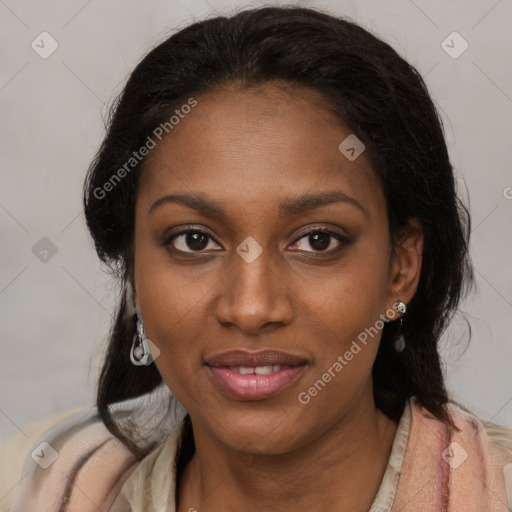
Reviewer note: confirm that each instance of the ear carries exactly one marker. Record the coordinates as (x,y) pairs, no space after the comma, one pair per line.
(132,300)
(405,265)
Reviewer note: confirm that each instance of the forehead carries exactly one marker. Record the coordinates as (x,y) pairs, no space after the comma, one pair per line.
(246,146)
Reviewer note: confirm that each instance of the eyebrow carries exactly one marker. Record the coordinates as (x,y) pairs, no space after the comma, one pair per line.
(292,206)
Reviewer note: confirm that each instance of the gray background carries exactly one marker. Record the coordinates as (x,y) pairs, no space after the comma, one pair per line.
(55,315)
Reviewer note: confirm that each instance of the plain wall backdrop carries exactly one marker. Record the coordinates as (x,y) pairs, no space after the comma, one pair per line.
(56,306)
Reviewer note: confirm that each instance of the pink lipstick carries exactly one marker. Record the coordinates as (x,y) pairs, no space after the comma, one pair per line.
(254,375)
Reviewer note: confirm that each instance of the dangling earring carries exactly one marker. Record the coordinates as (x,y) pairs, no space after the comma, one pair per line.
(140,353)
(400,342)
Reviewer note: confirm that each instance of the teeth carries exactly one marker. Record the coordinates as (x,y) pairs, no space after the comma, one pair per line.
(258,370)
(263,370)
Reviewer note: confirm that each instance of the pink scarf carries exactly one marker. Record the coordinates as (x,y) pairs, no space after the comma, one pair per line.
(449,471)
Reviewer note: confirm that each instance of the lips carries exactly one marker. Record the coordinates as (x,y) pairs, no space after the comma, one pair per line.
(244,358)
(254,375)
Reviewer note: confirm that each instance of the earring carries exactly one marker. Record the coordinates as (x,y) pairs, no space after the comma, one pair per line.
(401,308)
(140,353)
(400,342)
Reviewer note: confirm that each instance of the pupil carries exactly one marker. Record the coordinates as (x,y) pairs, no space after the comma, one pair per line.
(196,241)
(319,241)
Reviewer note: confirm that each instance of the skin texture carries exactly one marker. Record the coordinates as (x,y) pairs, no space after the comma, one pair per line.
(250,149)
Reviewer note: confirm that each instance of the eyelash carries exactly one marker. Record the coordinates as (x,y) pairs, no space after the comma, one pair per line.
(344,241)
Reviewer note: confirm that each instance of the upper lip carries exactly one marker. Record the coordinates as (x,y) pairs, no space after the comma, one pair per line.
(252,359)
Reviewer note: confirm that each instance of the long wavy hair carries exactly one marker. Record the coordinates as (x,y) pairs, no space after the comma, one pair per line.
(377,94)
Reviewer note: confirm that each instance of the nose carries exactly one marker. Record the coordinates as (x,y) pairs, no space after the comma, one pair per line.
(254,297)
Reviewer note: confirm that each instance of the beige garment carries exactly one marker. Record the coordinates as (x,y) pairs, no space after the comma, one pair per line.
(77,465)
(152,485)
(14,450)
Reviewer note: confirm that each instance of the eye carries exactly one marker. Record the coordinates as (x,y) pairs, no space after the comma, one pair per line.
(190,240)
(193,240)
(320,240)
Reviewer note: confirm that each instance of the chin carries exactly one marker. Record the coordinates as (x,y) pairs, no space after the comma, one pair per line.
(260,432)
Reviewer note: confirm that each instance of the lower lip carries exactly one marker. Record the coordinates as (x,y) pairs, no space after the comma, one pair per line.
(254,387)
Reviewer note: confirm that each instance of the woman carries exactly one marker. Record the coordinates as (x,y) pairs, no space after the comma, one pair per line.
(275,194)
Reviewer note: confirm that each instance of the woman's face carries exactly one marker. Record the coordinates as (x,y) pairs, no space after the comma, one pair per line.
(255,175)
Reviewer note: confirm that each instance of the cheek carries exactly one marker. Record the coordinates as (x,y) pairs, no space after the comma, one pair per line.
(174,307)
(174,317)
(346,329)
(351,299)
(174,314)
(344,316)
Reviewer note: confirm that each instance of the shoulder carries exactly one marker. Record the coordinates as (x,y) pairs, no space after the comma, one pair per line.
(152,484)
(492,442)
(473,426)
(502,438)
(467,468)
(13,451)
(76,461)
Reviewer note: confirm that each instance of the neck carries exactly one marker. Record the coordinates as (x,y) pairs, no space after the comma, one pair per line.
(341,470)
